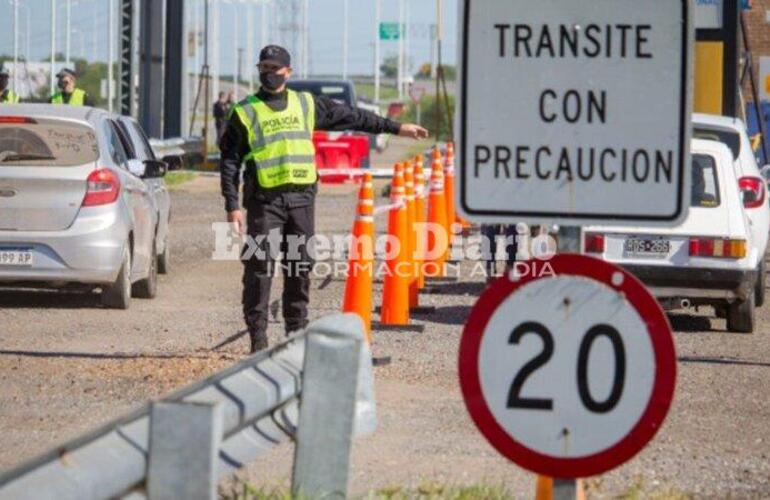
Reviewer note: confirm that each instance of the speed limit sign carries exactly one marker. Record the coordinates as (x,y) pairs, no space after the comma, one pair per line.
(569,372)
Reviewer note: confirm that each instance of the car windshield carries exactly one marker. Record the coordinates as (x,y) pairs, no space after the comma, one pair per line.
(339,93)
(729,138)
(705,186)
(46,142)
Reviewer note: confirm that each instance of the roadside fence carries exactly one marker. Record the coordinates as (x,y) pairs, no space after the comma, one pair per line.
(315,389)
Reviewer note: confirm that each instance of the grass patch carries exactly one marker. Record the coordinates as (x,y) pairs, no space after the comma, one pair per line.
(438,491)
(366,91)
(426,491)
(638,490)
(179,177)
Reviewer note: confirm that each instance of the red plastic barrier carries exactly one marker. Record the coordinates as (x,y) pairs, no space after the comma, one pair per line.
(344,151)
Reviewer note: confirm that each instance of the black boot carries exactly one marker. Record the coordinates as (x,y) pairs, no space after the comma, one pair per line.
(258,340)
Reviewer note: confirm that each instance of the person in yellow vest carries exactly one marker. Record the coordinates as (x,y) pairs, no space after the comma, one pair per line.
(7,96)
(68,91)
(271,132)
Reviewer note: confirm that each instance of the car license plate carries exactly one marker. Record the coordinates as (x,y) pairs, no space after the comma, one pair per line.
(647,247)
(15,257)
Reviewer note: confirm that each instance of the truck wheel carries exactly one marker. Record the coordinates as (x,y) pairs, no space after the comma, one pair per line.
(148,287)
(164,263)
(118,295)
(760,287)
(740,315)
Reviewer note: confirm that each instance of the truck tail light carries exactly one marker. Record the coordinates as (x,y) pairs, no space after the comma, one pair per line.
(103,188)
(717,247)
(753,191)
(594,243)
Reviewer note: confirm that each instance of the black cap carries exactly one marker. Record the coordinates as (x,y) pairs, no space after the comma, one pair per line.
(66,72)
(275,54)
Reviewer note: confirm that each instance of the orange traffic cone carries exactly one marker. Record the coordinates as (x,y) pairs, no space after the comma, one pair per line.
(411,217)
(421,237)
(358,286)
(449,189)
(437,234)
(395,293)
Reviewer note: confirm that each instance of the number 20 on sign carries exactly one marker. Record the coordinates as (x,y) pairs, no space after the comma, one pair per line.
(569,373)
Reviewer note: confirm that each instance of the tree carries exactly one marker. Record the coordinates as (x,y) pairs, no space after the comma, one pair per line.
(389,67)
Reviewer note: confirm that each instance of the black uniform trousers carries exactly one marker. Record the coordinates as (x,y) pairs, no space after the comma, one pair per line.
(290,213)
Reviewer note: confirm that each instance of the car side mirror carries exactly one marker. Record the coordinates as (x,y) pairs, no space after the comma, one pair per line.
(155,169)
(136,167)
(174,162)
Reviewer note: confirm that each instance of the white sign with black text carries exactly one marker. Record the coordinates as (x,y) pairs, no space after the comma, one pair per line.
(574,112)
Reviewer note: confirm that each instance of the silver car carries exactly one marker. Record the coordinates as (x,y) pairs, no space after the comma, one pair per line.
(73,212)
(140,152)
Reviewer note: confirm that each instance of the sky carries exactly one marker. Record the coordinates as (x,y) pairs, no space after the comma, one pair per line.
(89,19)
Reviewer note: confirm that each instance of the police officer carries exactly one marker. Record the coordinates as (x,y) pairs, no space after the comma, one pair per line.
(7,96)
(68,92)
(271,132)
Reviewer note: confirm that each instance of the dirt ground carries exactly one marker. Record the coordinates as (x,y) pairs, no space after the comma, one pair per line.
(67,365)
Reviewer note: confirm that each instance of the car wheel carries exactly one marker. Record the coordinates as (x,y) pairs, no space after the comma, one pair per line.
(164,263)
(118,295)
(760,288)
(148,287)
(740,316)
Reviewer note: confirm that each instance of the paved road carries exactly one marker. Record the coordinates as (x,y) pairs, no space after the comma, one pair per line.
(66,365)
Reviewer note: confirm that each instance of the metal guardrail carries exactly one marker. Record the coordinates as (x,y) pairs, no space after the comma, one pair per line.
(179,446)
(190,149)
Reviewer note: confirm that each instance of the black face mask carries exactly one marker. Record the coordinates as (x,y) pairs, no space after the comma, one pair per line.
(272,81)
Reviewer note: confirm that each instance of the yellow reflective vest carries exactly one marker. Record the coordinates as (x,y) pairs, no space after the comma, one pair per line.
(9,97)
(78,98)
(280,142)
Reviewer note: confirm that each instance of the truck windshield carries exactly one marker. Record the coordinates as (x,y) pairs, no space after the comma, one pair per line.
(338,92)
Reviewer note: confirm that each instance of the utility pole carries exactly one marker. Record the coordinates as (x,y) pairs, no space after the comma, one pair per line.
(438,67)
(263,26)
(238,67)
(236,49)
(206,93)
(250,45)
(377,51)
(305,38)
(16,45)
(215,56)
(68,35)
(53,45)
(400,77)
(111,57)
(345,36)
(407,42)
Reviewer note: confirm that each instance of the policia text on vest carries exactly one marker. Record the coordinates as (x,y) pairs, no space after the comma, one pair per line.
(552,162)
(280,142)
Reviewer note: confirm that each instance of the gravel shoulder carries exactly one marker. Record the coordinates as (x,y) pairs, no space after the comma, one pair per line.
(67,365)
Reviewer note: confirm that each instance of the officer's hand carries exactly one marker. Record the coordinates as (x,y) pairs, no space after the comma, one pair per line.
(236,219)
(413,131)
